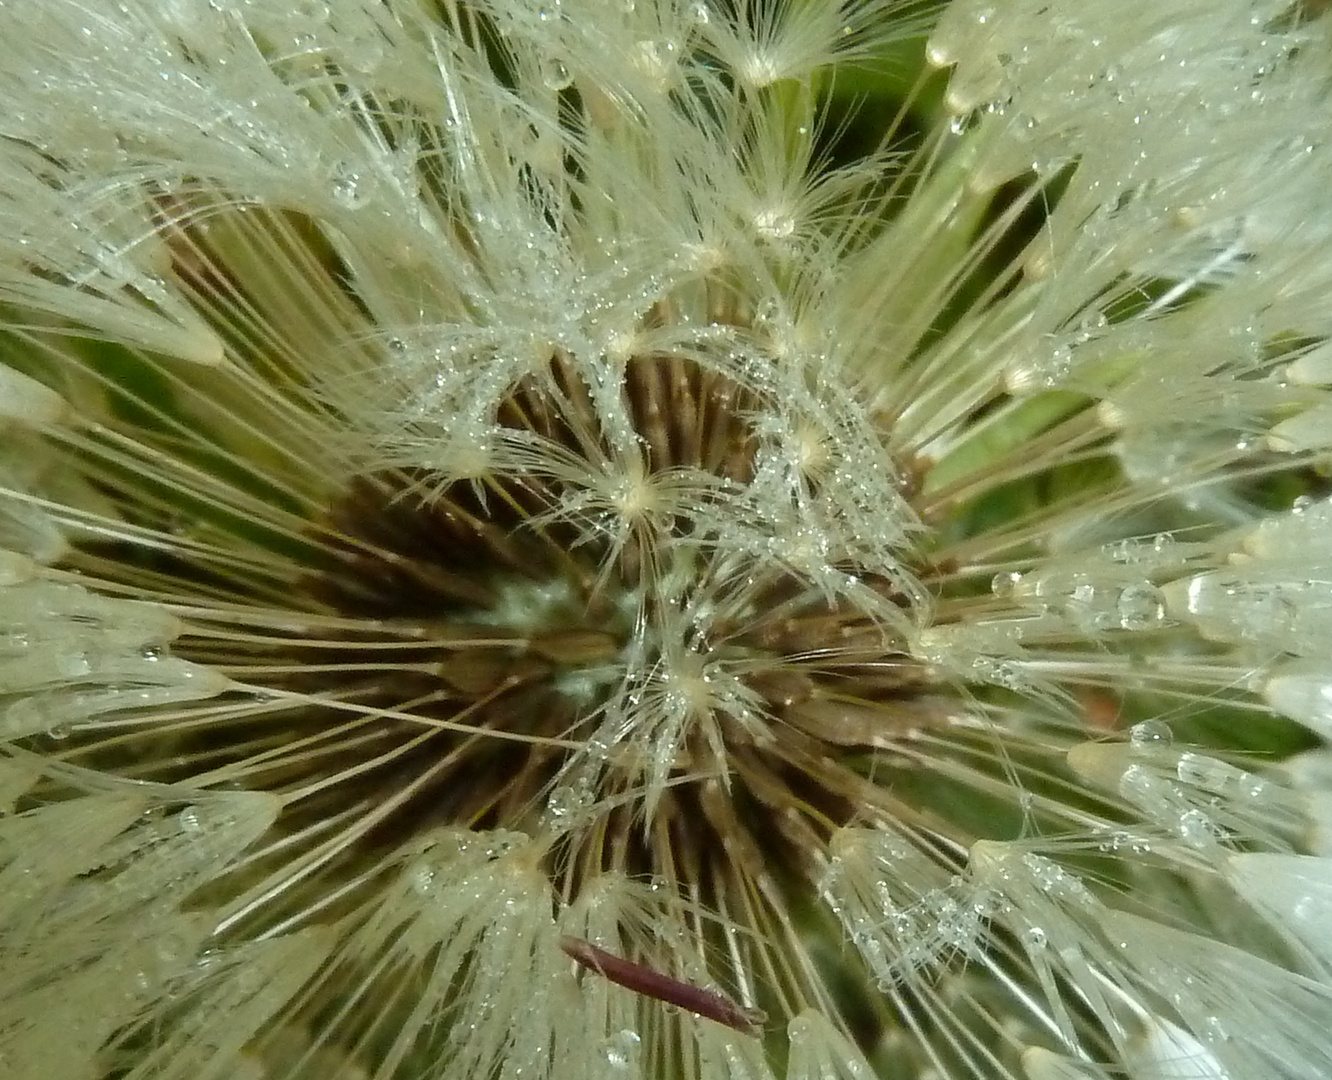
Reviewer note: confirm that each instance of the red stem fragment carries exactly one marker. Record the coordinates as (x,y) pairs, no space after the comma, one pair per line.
(711,1004)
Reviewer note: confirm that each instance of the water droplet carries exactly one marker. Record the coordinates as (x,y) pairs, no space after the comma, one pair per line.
(621,1049)
(1219,777)
(496,847)
(774,224)
(555,75)
(700,14)
(1196,829)
(1004,584)
(1036,937)
(655,59)
(1091,324)
(1140,607)
(347,188)
(564,802)
(767,310)
(1201,771)
(1302,503)
(420,877)
(1150,733)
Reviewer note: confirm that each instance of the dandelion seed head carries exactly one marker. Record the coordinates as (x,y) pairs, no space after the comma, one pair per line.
(482,475)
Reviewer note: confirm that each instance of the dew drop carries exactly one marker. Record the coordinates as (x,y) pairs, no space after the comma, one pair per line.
(1200,771)
(1005,584)
(421,877)
(555,75)
(347,188)
(564,802)
(1150,733)
(774,224)
(1140,607)
(1002,673)
(1195,828)
(621,1049)
(498,846)
(1036,937)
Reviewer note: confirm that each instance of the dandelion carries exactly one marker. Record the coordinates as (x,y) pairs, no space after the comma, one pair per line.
(561,538)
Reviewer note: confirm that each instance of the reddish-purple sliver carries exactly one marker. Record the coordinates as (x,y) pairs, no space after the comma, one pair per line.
(643,980)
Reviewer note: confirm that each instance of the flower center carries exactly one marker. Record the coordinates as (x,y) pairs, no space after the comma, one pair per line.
(591,653)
